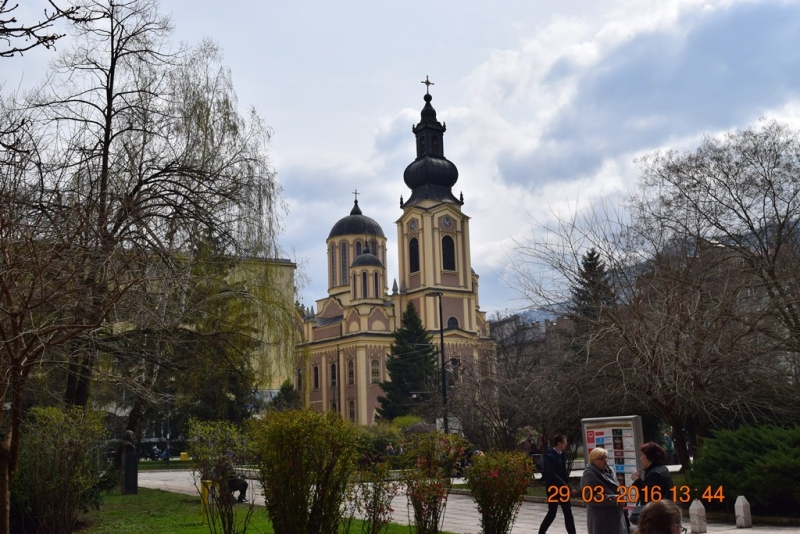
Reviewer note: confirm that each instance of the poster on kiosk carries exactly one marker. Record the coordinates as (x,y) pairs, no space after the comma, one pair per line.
(621,436)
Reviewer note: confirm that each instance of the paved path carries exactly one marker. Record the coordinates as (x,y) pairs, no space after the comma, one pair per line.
(461,514)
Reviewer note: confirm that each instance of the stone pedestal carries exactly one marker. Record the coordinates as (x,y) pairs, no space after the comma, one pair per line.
(742,509)
(697,517)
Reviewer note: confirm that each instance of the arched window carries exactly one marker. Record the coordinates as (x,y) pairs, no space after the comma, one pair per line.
(351,408)
(316,377)
(413,255)
(448,253)
(358,248)
(333,265)
(375,371)
(333,375)
(377,291)
(452,322)
(345,264)
(363,285)
(373,247)
(351,372)
(354,286)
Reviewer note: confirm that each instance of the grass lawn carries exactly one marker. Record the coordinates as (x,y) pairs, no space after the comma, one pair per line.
(147,465)
(156,511)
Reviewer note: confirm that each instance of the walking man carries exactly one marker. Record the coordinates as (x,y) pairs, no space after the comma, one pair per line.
(555,477)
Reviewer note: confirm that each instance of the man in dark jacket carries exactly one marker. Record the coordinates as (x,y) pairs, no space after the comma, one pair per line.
(555,480)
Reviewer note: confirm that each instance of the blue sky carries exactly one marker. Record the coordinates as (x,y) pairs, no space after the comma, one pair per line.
(547,106)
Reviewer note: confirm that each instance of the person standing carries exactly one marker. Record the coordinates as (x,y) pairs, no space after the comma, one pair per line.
(603,511)
(657,480)
(555,477)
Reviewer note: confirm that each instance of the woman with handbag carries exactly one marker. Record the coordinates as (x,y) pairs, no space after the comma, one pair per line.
(599,492)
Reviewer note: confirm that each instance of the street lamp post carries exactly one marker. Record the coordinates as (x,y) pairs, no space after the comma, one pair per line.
(441,351)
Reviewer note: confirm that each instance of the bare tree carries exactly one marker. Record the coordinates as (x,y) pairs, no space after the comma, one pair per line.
(17,37)
(686,340)
(153,150)
(497,402)
(741,192)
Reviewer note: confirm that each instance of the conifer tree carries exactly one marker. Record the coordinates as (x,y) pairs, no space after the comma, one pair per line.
(591,293)
(411,367)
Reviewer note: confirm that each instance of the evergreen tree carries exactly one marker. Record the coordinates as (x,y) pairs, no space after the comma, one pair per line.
(411,368)
(591,291)
(287,398)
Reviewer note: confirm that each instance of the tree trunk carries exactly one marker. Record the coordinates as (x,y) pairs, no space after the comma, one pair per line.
(5,489)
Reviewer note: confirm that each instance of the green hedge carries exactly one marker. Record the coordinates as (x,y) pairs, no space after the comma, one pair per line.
(762,463)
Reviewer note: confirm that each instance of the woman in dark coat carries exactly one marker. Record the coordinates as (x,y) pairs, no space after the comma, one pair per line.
(656,484)
(603,511)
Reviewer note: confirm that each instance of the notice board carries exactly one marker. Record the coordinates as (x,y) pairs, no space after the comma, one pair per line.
(621,436)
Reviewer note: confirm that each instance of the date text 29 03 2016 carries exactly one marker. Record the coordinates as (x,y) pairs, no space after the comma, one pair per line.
(631,494)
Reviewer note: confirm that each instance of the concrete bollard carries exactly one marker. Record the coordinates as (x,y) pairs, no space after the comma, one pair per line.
(697,517)
(742,509)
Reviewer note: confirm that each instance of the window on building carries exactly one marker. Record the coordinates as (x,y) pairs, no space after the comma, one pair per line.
(334,408)
(333,265)
(364,285)
(358,248)
(375,371)
(316,377)
(373,247)
(299,379)
(345,264)
(354,286)
(333,375)
(448,253)
(351,372)
(351,408)
(413,255)
(452,322)
(377,291)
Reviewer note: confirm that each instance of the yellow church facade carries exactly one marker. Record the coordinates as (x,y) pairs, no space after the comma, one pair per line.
(348,335)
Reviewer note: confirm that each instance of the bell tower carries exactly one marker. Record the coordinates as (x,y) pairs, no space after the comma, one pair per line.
(433,233)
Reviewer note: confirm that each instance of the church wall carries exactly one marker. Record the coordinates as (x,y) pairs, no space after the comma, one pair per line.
(353,323)
(326,332)
(451,279)
(378,321)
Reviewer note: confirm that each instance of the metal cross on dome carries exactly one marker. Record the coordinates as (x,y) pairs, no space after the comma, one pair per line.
(356,194)
(428,84)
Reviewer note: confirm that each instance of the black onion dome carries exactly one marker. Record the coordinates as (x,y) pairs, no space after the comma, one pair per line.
(431,171)
(431,175)
(367,259)
(356,223)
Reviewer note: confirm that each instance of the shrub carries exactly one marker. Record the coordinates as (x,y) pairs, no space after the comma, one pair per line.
(215,448)
(760,462)
(431,459)
(62,467)
(305,463)
(374,440)
(498,481)
(402,422)
(371,497)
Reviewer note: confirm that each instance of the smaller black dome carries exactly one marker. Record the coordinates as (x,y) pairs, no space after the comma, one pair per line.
(367,259)
(356,223)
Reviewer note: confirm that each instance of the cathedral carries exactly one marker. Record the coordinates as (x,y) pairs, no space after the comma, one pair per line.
(341,361)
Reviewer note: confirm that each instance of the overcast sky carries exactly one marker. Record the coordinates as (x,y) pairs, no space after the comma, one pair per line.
(547,104)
